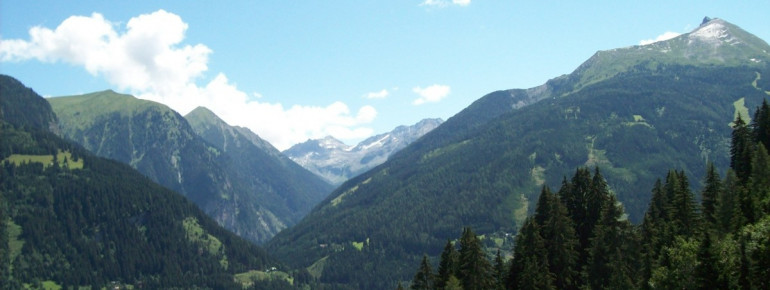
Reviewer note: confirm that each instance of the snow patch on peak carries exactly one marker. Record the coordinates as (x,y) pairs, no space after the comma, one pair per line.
(379,142)
(711,30)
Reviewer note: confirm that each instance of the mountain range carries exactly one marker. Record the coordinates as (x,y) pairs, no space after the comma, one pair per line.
(241,181)
(72,219)
(633,113)
(337,162)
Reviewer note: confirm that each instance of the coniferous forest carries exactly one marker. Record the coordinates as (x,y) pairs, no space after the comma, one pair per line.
(580,238)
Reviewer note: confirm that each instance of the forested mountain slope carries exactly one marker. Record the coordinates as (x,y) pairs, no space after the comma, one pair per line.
(161,144)
(635,112)
(68,218)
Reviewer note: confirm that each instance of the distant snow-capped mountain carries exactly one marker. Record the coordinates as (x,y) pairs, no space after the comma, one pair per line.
(336,162)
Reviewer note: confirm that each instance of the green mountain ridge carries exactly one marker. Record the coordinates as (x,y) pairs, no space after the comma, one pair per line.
(101,223)
(163,145)
(628,111)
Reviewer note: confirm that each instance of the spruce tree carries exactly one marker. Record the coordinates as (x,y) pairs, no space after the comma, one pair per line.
(684,210)
(709,196)
(529,269)
(475,272)
(448,266)
(561,244)
(760,125)
(741,150)
(583,202)
(706,272)
(423,279)
(608,246)
(499,271)
(726,204)
(759,183)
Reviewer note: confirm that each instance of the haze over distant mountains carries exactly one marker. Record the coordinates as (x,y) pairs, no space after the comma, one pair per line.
(337,162)
(633,112)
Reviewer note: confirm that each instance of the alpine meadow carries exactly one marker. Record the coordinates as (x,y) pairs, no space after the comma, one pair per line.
(646,167)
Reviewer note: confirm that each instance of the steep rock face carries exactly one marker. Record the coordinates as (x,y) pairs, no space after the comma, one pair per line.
(274,181)
(336,162)
(634,112)
(161,144)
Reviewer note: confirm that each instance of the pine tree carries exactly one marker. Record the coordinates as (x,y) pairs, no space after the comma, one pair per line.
(741,150)
(558,233)
(709,196)
(583,201)
(611,240)
(761,124)
(5,255)
(423,279)
(706,272)
(399,287)
(726,204)
(530,260)
(759,183)
(499,271)
(475,272)
(684,211)
(448,266)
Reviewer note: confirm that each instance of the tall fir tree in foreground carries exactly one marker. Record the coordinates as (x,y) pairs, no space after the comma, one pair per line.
(475,272)
(448,265)
(424,278)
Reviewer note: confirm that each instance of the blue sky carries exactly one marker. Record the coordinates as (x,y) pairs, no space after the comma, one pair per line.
(293,70)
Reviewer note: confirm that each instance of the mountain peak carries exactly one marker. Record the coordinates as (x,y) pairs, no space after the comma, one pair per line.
(705,20)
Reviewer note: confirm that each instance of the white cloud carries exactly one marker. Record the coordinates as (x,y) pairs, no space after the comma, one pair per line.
(431,94)
(445,3)
(665,36)
(147,58)
(377,95)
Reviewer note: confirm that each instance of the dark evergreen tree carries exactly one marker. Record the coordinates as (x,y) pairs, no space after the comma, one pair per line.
(399,287)
(584,201)
(561,244)
(759,183)
(684,211)
(709,196)
(741,150)
(5,257)
(448,266)
(529,269)
(707,275)
(760,125)
(424,278)
(475,272)
(727,203)
(655,230)
(499,271)
(607,261)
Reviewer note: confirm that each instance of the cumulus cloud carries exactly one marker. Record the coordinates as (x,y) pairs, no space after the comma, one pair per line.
(147,58)
(665,36)
(445,3)
(431,94)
